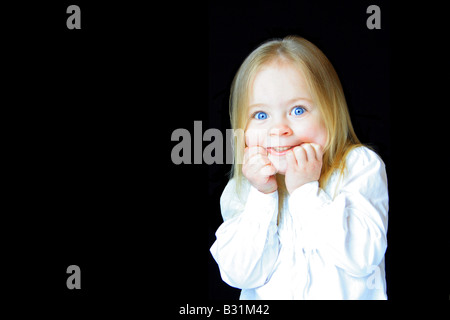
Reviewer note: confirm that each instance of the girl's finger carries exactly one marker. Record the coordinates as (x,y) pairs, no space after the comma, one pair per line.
(290,160)
(251,151)
(268,170)
(257,150)
(319,151)
(310,151)
(259,160)
(300,155)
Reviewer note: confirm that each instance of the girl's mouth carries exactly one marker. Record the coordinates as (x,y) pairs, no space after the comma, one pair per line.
(279,151)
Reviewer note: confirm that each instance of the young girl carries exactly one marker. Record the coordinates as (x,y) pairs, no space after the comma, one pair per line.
(305,212)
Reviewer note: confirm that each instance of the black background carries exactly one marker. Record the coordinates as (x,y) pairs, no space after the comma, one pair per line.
(89,178)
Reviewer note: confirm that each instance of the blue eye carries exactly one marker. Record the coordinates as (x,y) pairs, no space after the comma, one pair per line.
(261,115)
(296,111)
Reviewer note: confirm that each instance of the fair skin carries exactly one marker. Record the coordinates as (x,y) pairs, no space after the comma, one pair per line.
(285,133)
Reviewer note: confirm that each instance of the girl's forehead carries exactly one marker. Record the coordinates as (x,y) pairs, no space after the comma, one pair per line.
(276,79)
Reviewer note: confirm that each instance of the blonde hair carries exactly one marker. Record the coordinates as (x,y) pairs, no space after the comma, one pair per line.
(326,92)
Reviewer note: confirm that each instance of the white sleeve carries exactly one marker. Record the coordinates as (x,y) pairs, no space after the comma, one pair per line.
(247,244)
(350,230)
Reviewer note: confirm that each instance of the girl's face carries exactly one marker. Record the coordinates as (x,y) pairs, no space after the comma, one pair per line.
(281,113)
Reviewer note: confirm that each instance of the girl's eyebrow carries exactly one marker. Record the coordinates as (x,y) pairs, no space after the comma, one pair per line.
(291,101)
(297,99)
(256,105)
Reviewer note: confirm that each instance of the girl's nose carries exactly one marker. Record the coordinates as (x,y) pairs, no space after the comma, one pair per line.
(280,130)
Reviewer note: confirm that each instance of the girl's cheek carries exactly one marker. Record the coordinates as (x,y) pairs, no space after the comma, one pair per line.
(315,133)
(319,137)
(321,134)
(255,138)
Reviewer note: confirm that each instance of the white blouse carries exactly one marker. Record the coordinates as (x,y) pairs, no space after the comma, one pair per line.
(329,243)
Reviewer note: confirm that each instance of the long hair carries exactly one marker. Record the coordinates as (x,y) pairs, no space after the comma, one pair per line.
(326,92)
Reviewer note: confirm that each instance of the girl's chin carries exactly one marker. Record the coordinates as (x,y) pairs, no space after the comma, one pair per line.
(279,162)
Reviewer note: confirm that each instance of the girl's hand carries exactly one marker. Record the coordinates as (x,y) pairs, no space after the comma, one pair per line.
(304,164)
(258,169)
